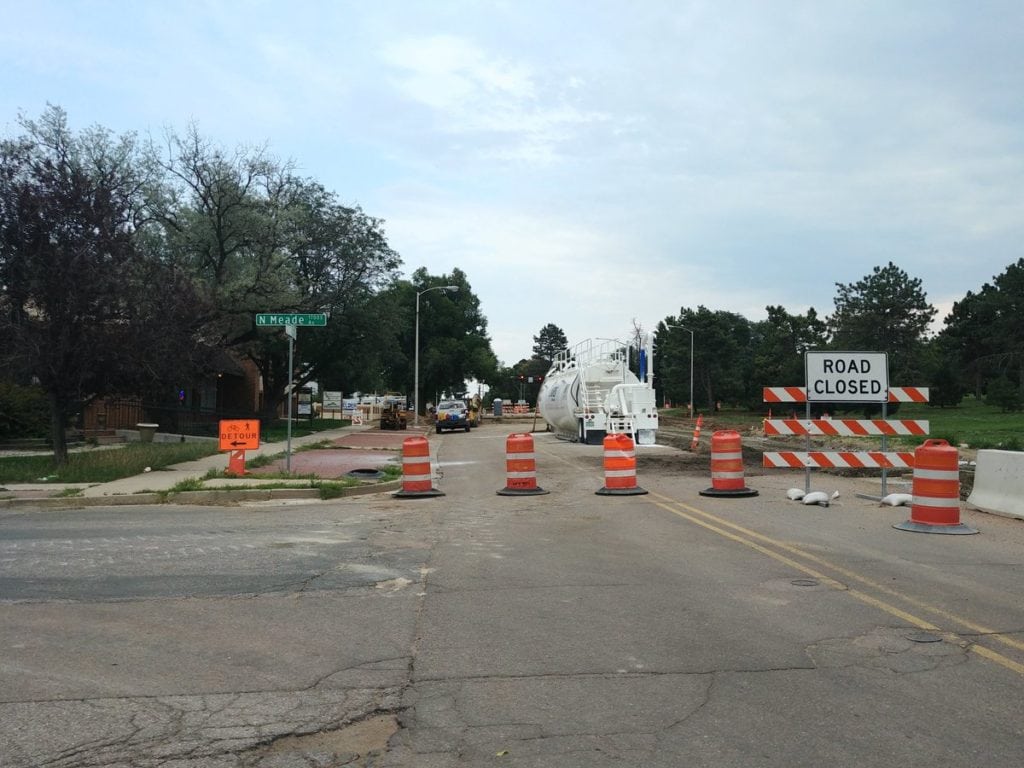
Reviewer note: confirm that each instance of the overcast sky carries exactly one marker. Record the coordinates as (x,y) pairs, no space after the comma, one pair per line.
(590,163)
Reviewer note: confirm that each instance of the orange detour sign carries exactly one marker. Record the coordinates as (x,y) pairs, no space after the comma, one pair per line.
(239,434)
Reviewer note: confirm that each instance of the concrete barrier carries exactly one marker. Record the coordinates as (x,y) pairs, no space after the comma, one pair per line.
(999,483)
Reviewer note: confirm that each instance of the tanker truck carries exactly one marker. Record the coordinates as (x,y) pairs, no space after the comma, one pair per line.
(590,392)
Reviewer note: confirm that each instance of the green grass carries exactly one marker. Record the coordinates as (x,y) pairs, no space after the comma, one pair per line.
(102,465)
(278,431)
(972,423)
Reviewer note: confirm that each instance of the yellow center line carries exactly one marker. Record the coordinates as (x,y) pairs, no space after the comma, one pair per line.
(749,538)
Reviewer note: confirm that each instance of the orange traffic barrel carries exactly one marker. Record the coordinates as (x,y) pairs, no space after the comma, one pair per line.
(727,466)
(620,467)
(417,481)
(520,467)
(696,433)
(935,507)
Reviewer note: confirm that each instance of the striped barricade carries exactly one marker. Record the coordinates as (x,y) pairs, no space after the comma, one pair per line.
(799,394)
(838,459)
(846,427)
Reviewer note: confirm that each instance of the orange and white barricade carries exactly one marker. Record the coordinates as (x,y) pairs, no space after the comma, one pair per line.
(520,467)
(620,467)
(935,507)
(417,477)
(727,466)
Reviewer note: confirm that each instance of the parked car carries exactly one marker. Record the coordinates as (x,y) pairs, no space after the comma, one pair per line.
(452,414)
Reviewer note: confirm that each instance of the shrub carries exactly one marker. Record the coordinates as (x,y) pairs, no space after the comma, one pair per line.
(24,411)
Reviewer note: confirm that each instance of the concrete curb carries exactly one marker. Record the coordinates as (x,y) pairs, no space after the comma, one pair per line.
(212,497)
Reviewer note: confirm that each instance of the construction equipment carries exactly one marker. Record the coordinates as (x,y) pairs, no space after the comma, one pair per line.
(590,392)
(392,416)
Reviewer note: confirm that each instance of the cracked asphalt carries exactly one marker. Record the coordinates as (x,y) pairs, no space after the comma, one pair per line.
(480,630)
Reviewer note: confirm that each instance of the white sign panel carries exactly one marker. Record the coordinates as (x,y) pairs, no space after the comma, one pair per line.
(332,401)
(852,377)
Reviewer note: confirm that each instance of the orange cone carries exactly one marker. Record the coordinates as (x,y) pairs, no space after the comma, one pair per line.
(727,466)
(620,467)
(520,467)
(696,432)
(416,474)
(936,490)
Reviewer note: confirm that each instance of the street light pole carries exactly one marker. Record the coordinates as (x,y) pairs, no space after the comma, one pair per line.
(684,328)
(416,375)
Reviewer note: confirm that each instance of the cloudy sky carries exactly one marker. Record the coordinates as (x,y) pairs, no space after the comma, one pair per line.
(591,163)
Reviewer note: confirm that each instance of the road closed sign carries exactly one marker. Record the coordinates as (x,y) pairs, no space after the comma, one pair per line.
(239,434)
(853,377)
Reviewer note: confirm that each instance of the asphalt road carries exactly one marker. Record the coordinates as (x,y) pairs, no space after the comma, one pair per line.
(473,629)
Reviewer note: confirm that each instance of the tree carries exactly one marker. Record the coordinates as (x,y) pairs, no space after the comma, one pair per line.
(454,345)
(722,360)
(886,311)
(548,342)
(779,344)
(257,238)
(85,309)
(984,333)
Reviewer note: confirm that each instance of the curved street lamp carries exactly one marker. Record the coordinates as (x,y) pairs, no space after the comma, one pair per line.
(416,383)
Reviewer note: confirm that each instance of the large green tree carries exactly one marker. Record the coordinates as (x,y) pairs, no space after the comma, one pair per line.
(886,311)
(722,361)
(548,342)
(778,346)
(454,345)
(257,238)
(85,308)
(984,333)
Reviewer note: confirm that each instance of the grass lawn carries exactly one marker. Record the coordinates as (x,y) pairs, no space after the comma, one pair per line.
(101,465)
(113,463)
(971,423)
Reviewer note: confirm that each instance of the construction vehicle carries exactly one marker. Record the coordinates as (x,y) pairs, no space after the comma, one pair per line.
(590,392)
(393,416)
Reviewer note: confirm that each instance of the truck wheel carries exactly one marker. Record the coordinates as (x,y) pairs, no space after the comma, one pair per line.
(439,429)
(467,427)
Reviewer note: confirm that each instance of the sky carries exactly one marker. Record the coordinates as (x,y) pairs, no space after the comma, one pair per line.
(597,164)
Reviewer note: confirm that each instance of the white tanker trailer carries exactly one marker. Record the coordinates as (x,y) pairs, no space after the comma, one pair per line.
(590,392)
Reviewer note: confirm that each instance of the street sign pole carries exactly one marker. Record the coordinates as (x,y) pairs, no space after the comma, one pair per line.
(292,331)
(291,322)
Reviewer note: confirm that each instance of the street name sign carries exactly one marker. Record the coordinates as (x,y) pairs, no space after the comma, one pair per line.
(286,318)
(239,434)
(851,377)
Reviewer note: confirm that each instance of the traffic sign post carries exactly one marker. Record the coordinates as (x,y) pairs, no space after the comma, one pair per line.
(291,321)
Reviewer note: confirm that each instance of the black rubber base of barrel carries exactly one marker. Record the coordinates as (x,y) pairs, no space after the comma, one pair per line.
(417,494)
(954,530)
(638,491)
(739,493)
(522,492)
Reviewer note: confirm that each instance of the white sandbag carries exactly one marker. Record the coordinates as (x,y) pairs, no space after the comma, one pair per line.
(816,497)
(794,494)
(898,499)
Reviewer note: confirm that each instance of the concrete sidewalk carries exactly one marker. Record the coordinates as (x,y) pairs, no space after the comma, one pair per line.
(362,438)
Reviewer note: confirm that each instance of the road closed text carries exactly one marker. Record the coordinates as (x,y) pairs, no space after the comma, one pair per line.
(847,376)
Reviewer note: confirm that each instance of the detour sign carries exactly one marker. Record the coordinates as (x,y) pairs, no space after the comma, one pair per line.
(239,434)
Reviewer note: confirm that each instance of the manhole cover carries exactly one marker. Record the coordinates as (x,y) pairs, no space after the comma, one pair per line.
(804,582)
(924,637)
(365,474)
